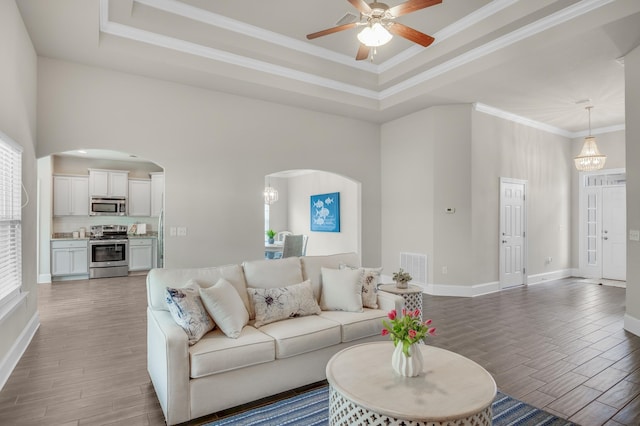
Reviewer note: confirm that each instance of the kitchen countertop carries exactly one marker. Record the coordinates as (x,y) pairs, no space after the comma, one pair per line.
(147,235)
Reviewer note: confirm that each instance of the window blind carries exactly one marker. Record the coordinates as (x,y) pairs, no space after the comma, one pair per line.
(10,218)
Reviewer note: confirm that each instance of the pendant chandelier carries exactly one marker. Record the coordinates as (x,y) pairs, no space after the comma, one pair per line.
(270,193)
(590,157)
(374,35)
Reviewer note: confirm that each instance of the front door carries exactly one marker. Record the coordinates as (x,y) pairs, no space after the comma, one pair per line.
(512,236)
(614,230)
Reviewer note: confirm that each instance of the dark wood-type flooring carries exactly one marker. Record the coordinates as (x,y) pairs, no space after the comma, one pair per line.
(559,346)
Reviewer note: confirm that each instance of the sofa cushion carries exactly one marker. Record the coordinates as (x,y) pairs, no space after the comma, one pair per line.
(370,279)
(311,267)
(271,274)
(225,306)
(341,290)
(275,304)
(215,352)
(187,310)
(301,335)
(357,325)
(159,279)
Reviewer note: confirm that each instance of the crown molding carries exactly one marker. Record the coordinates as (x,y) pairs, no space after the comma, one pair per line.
(527,31)
(125,31)
(220,21)
(182,9)
(480,107)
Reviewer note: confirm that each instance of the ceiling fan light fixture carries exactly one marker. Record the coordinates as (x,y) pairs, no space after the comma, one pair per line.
(590,157)
(374,35)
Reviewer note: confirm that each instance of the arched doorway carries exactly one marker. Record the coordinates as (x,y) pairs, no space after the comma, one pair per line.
(292,211)
(144,183)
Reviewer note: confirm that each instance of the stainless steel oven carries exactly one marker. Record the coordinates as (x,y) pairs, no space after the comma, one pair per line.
(101,206)
(108,251)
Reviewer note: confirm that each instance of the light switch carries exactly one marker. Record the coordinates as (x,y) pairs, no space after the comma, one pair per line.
(634,235)
(450,210)
(172,231)
(182,231)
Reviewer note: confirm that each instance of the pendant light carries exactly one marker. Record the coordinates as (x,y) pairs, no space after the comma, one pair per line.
(270,193)
(590,157)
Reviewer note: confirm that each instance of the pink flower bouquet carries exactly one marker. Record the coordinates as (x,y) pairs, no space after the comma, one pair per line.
(406,329)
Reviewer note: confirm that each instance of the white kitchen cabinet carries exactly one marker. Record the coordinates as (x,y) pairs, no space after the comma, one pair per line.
(139,197)
(70,195)
(157,193)
(141,254)
(108,183)
(69,258)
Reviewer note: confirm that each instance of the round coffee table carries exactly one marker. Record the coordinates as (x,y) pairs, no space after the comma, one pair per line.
(364,389)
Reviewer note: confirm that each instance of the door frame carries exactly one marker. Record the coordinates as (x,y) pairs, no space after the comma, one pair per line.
(584,270)
(525,238)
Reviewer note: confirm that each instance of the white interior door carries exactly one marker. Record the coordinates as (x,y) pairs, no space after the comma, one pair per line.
(614,230)
(512,232)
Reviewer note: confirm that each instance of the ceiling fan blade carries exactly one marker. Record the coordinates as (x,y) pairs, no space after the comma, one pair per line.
(331,30)
(411,34)
(412,6)
(361,5)
(363,52)
(348,18)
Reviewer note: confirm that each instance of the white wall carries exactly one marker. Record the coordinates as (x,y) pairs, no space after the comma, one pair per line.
(632,106)
(18,79)
(300,190)
(407,189)
(215,148)
(453,157)
(503,148)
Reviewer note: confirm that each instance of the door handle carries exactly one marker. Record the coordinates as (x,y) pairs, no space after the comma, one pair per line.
(605,238)
(504,241)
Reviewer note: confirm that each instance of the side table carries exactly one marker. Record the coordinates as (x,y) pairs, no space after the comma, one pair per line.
(412,295)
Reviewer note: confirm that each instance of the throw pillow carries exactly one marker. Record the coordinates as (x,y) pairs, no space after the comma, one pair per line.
(275,304)
(341,290)
(224,304)
(370,279)
(188,312)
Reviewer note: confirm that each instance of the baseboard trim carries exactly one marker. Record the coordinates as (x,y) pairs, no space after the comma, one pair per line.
(44,279)
(461,290)
(17,350)
(549,276)
(632,324)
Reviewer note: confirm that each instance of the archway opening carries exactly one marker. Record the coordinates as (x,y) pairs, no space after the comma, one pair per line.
(293,211)
(64,205)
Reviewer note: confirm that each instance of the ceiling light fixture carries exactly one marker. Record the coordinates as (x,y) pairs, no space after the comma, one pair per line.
(374,35)
(590,157)
(270,193)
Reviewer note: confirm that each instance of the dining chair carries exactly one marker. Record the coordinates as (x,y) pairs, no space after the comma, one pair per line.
(294,246)
(280,235)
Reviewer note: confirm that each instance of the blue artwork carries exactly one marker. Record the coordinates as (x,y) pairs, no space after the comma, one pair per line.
(325,212)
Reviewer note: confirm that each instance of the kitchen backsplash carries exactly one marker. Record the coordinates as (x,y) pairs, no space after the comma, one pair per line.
(73,223)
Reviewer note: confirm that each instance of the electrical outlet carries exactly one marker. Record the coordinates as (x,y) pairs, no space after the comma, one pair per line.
(182,231)
(634,235)
(445,270)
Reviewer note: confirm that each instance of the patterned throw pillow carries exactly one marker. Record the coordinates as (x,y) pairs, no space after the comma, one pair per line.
(370,279)
(275,304)
(188,312)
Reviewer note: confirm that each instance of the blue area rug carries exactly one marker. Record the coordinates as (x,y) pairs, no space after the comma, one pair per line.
(312,408)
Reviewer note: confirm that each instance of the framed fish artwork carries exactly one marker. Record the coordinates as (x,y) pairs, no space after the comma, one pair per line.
(325,212)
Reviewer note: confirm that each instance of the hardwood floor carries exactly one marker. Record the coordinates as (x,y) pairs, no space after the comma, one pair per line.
(559,346)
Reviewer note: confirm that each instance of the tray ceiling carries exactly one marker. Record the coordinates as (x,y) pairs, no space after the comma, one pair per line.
(533,59)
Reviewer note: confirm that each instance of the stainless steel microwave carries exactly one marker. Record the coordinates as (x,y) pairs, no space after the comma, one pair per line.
(101,206)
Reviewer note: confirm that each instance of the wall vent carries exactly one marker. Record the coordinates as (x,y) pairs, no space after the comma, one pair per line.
(416,265)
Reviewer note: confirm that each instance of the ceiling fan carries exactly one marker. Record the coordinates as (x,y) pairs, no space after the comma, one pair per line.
(378,20)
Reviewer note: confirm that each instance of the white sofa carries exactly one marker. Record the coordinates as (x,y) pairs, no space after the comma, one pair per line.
(218,372)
